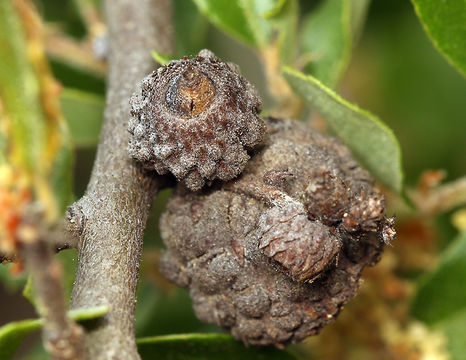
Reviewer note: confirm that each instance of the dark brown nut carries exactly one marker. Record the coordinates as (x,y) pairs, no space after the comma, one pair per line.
(195,118)
(265,255)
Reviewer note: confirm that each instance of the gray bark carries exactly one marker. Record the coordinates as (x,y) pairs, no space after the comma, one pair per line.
(111,217)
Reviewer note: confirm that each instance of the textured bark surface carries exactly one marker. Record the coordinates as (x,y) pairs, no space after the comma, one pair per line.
(275,254)
(111,217)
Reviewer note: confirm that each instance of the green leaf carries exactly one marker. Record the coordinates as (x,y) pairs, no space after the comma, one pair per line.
(61,175)
(190,28)
(28,291)
(259,23)
(359,11)
(205,347)
(84,113)
(19,92)
(89,313)
(13,333)
(441,294)
(327,37)
(454,328)
(370,140)
(38,146)
(69,260)
(284,21)
(445,23)
(162,59)
(9,281)
(274,24)
(230,17)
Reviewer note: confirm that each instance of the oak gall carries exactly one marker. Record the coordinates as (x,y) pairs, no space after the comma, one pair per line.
(274,255)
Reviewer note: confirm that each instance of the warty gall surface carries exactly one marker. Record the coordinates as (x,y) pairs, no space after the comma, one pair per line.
(274,255)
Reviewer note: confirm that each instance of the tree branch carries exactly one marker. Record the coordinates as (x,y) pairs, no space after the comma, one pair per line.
(113,213)
(62,337)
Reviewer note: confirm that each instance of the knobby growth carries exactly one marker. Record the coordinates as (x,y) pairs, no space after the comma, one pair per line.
(274,253)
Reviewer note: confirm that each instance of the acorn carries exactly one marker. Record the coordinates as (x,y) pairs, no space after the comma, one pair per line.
(273,255)
(197,119)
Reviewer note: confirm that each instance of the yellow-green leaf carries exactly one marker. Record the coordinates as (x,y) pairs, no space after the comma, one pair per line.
(37,147)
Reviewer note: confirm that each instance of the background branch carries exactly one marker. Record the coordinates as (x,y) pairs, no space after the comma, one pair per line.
(62,337)
(116,205)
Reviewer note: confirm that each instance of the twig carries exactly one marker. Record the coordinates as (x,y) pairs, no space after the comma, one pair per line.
(440,198)
(62,337)
(116,205)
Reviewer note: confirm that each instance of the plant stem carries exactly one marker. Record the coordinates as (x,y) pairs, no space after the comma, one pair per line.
(116,205)
(62,337)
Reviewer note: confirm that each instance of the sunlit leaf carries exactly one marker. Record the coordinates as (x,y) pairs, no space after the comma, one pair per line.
(445,23)
(205,347)
(370,140)
(13,333)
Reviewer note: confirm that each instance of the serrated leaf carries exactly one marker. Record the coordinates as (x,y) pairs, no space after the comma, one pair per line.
(370,140)
(84,114)
(445,24)
(205,347)
(13,333)
(327,37)
(441,294)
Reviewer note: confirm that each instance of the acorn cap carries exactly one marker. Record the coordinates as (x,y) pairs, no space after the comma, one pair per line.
(195,118)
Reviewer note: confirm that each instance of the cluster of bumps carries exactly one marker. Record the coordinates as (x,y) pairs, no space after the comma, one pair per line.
(274,250)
